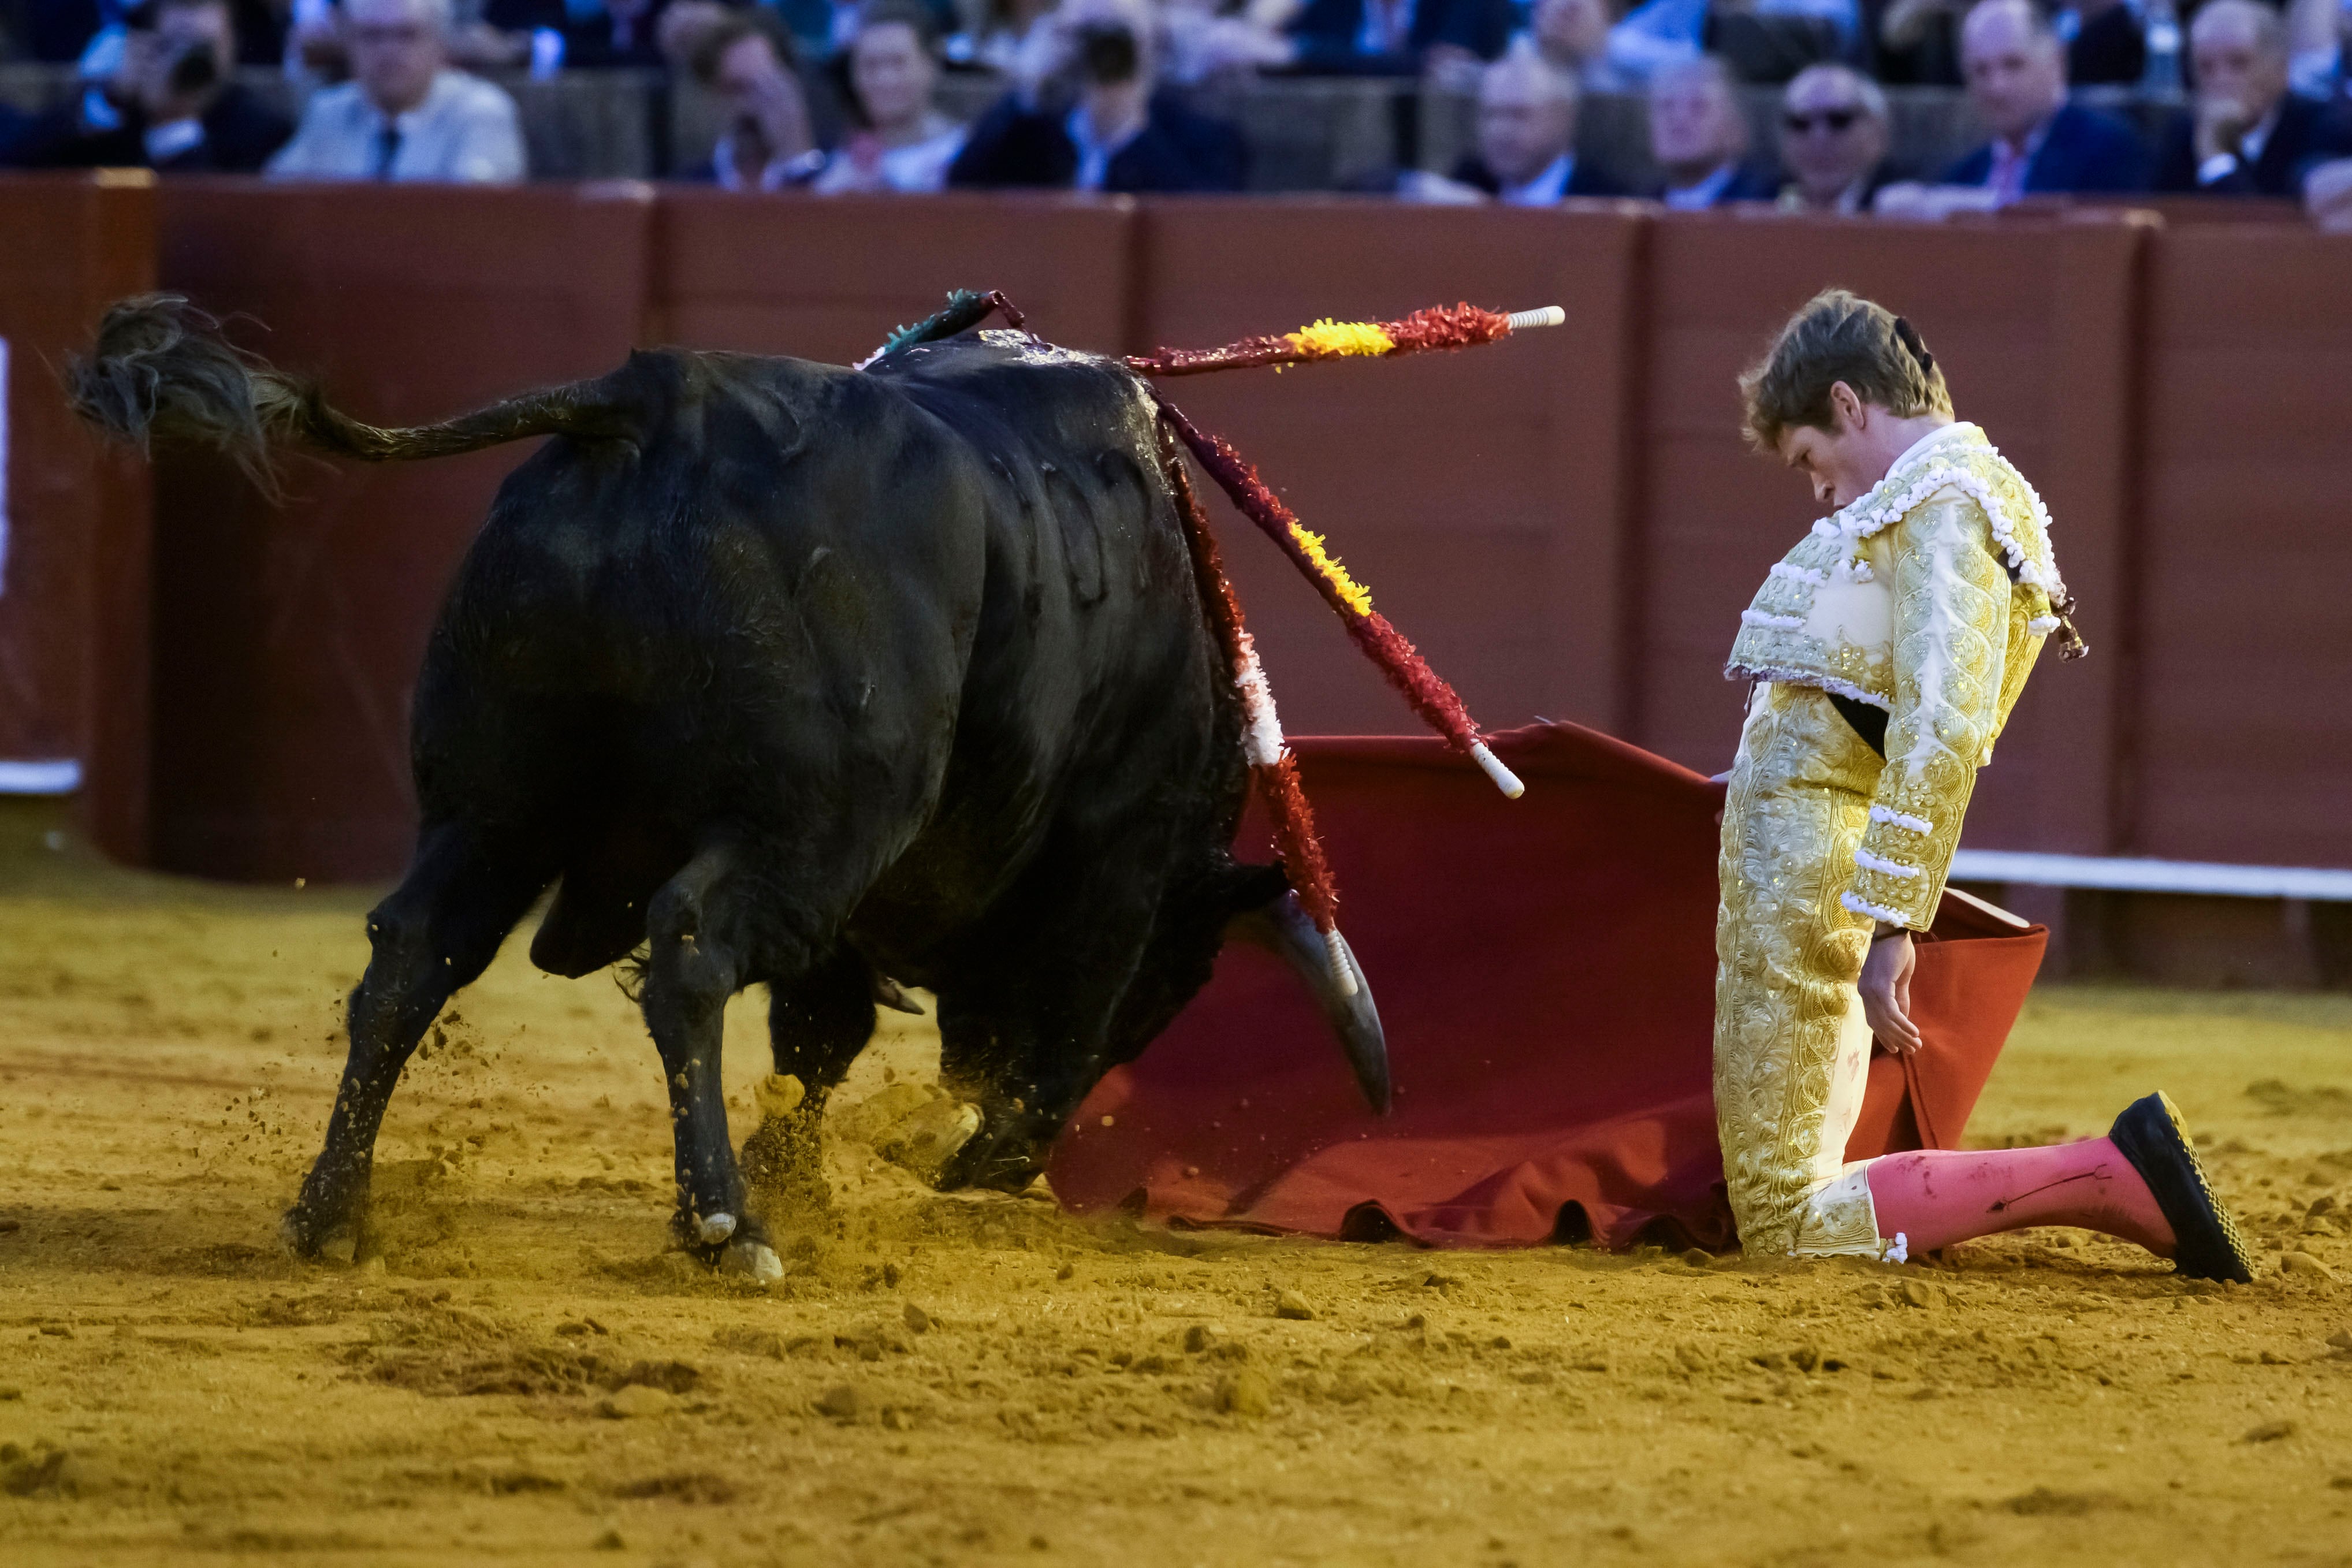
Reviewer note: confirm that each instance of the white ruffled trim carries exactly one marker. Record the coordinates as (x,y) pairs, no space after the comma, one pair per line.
(1800,574)
(1830,684)
(1858,904)
(1883,505)
(1869,861)
(1893,818)
(1261,726)
(1899,1249)
(2042,625)
(1766,618)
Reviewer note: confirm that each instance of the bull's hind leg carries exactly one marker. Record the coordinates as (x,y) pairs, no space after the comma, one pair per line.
(1024,1030)
(436,934)
(816,1027)
(703,939)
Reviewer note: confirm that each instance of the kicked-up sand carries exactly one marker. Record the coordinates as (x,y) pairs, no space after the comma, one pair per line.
(520,1372)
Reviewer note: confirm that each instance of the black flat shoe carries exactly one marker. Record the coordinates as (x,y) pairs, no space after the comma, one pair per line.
(2152,1136)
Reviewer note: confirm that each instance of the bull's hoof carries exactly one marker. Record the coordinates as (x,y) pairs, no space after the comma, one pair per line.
(734,1243)
(925,1143)
(307,1233)
(1002,1159)
(754,1260)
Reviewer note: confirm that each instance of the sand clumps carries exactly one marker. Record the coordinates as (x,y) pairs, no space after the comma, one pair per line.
(917,1127)
(527,1374)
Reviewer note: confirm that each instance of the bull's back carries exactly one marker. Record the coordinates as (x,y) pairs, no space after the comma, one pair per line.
(782,569)
(1092,687)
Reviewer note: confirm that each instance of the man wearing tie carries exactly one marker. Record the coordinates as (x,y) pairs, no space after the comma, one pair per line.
(2016,71)
(404,115)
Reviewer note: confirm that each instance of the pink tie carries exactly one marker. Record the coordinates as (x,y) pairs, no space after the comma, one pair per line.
(2009,166)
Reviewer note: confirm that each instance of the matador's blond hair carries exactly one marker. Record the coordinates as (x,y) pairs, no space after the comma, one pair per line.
(1840,337)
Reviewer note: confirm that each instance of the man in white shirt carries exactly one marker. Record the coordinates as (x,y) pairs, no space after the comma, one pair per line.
(404,114)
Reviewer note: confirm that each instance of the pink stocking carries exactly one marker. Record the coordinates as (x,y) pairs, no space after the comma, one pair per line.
(1938,1196)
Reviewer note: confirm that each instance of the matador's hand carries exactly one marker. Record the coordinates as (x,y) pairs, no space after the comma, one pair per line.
(1886,993)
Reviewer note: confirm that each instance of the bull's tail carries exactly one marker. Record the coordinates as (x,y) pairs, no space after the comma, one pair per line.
(162,373)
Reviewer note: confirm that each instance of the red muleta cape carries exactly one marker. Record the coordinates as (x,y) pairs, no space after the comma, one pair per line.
(1545,969)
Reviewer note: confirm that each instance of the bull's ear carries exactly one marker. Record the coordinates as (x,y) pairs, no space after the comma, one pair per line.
(1280,927)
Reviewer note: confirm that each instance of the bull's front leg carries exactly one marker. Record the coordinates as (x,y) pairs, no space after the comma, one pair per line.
(436,934)
(1027,1034)
(699,932)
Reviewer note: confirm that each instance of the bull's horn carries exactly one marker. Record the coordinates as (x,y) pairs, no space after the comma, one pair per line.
(890,994)
(1282,927)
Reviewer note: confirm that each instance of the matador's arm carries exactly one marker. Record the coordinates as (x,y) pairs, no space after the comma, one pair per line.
(1951,636)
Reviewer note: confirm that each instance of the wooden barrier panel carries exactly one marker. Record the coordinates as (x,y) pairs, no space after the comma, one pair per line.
(2244,710)
(827,277)
(1482,496)
(2032,322)
(73,520)
(289,636)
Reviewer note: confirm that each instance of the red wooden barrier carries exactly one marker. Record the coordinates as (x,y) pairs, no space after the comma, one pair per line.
(2244,715)
(2031,320)
(1482,496)
(289,635)
(73,522)
(828,278)
(1568,524)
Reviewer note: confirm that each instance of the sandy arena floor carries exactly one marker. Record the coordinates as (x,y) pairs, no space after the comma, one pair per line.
(524,1376)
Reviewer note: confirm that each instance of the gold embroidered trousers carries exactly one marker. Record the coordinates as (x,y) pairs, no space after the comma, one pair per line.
(1791,1049)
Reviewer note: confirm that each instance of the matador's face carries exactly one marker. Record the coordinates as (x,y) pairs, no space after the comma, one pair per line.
(1842,460)
(1830,461)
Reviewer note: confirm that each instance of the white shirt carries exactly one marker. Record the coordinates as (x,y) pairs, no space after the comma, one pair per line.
(1094,157)
(1935,437)
(1546,189)
(917,168)
(466,131)
(1387,26)
(779,174)
(1705,194)
(171,139)
(2222,165)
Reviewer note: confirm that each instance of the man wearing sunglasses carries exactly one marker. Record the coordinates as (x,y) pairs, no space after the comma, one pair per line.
(1833,139)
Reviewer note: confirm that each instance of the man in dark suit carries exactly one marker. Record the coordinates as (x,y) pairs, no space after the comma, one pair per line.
(2106,44)
(2246,135)
(1093,119)
(1698,138)
(1396,37)
(1526,137)
(2016,73)
(172,107)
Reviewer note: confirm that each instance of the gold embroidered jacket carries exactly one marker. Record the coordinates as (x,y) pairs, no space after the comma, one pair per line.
(1929,598)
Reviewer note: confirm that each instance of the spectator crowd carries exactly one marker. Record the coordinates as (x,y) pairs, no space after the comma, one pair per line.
(844,95)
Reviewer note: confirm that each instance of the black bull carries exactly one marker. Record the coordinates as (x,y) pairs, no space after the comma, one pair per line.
(803,676)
